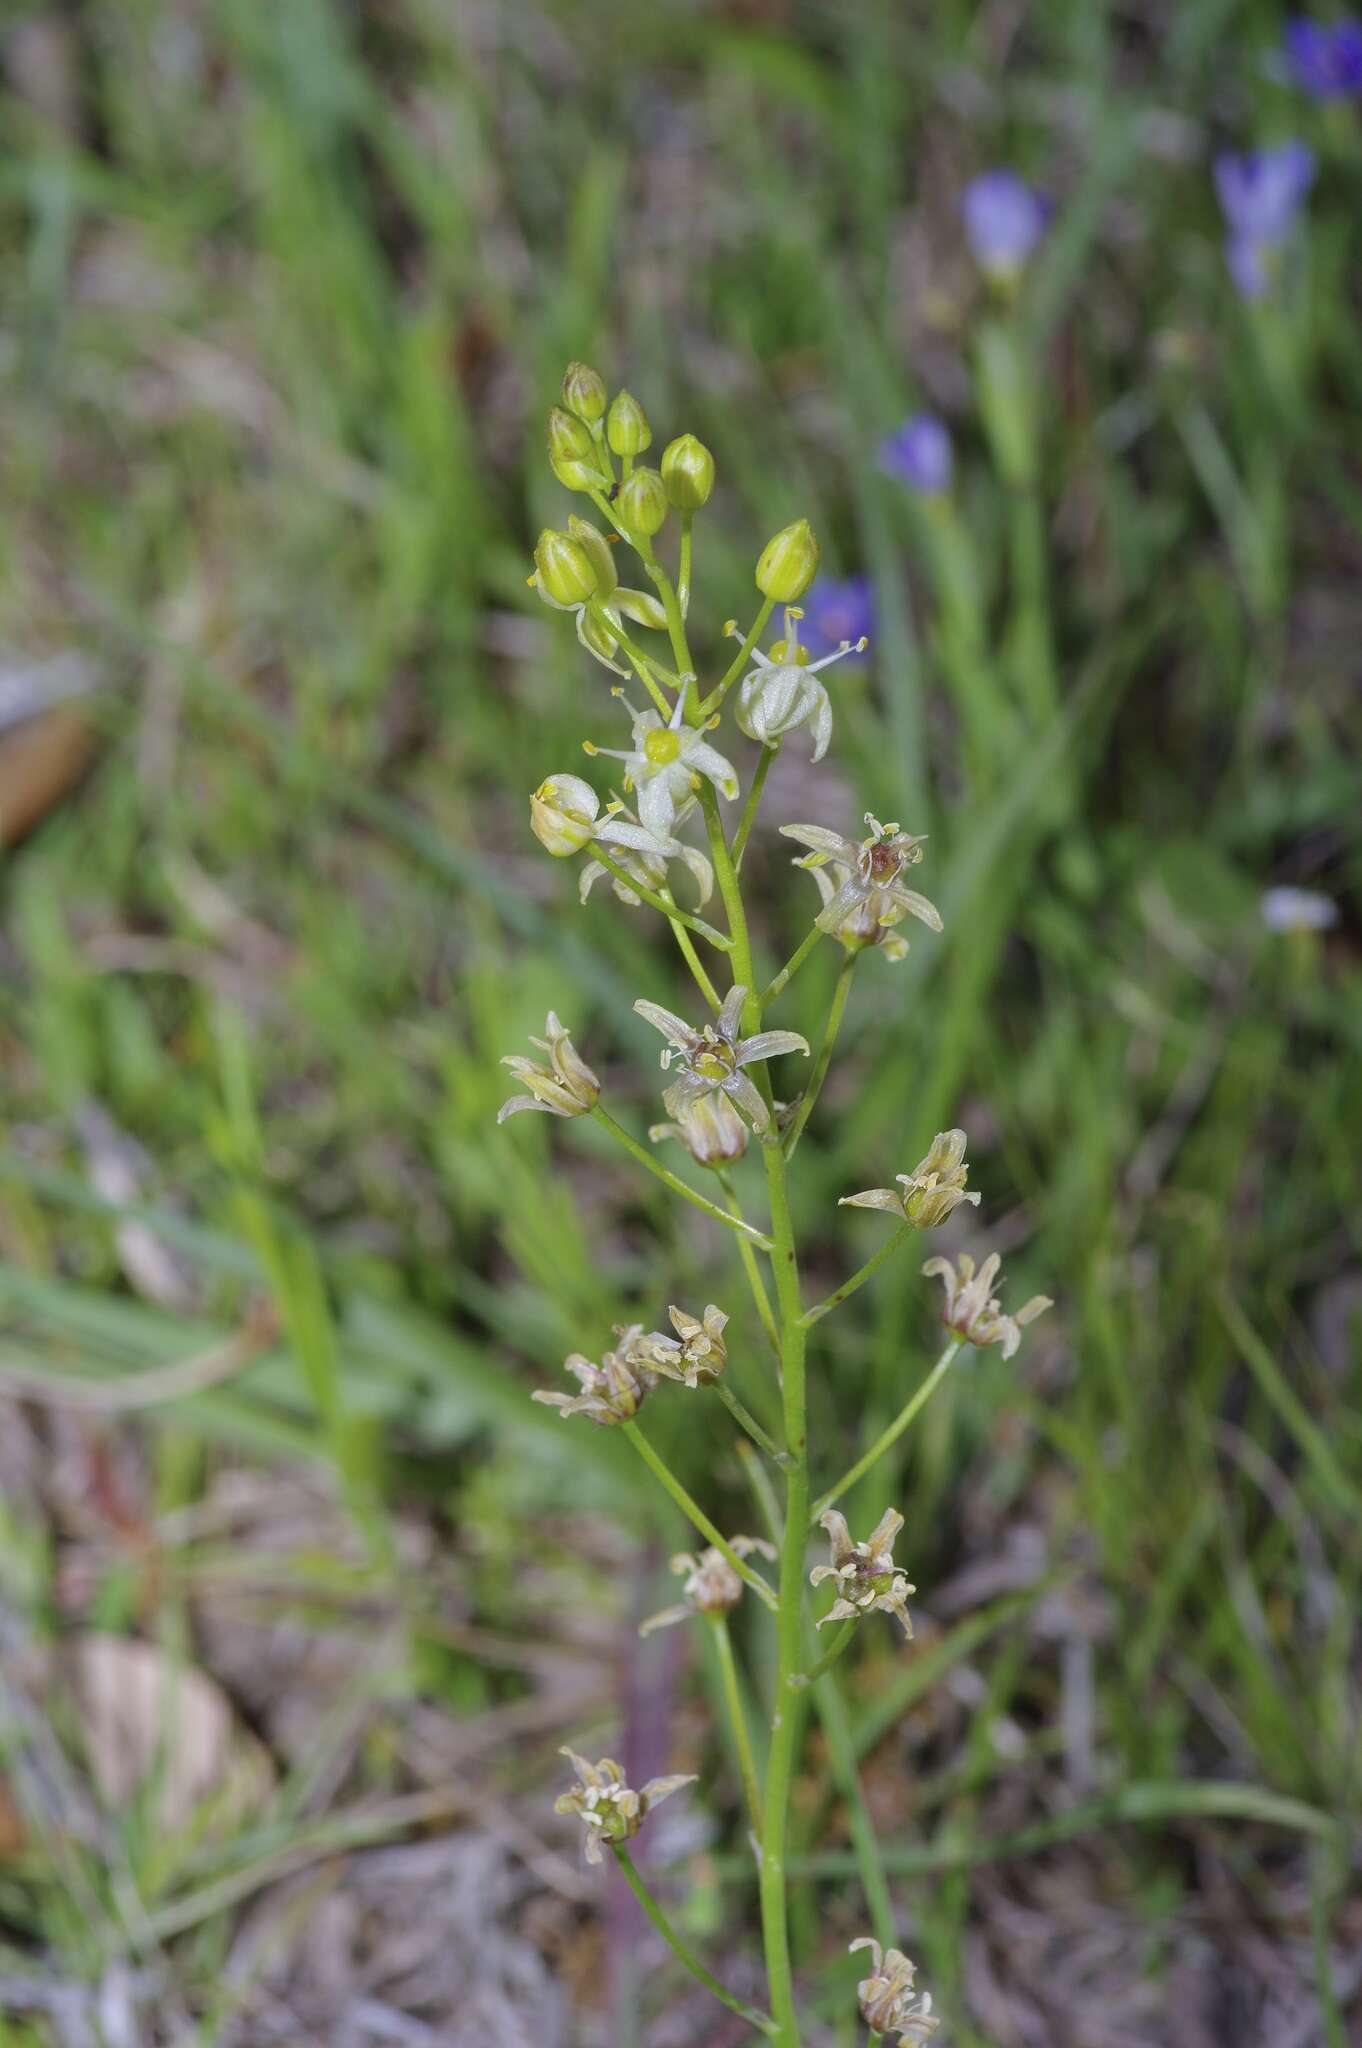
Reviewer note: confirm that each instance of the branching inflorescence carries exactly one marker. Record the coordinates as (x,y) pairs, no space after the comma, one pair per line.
(720,1097)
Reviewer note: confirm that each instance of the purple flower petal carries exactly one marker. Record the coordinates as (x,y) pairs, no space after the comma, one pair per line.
(919,454)
(1004,220)
(836,611)
(1325,58)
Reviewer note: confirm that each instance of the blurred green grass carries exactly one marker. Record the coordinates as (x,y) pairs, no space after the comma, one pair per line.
(286,294)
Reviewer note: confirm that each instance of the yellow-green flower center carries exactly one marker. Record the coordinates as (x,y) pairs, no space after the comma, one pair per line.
(661,747)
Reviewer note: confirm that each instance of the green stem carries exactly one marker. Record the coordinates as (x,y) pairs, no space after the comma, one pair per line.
(832,1713)
(760,2020)
(645,665)
(760,1297)
(749,812)
(759,1479)
(739,662)
(690,956)
(792,966)
(824,1055)
(683,564)
(677,1186)
(841,1636)
(745,1419)
(859,1277)
(887,1437)
(695,1514)
(737,1714)
(666,904)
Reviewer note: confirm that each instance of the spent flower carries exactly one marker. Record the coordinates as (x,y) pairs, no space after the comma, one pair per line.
(710,1129)
(868,894)
(868,1581)
(696,1355)
(711,1060)
(711,1584)
(971,1311)
(887,2003)
(565,1086)
(664,765)
(611,1392)
(609,1810)
(931,1192)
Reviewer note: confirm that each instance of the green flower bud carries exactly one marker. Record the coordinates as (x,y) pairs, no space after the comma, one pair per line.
(583,391)
(572,453)
(688,473)
(789,562)
(626,425)
(563,570)
(598,547)
(641,501)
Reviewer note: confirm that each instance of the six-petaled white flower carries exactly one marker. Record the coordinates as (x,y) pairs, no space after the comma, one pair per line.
(664,765)
(970,1308)
(783,691)
(711,1584)
(866,1575)
(934,1188)
(711,1060)
(565,1087)
(647,857)
(887,2003)
(608,1808)
(867,897)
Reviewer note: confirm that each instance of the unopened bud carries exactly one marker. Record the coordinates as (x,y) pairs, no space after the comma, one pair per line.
(789,562)
(688,473)
(626,425)
(564,571)
(563,813)
(572,453)
(598,547)
(641,501)
(583,391)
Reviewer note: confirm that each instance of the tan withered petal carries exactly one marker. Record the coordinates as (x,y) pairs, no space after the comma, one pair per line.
(971,1310)
(866,1577)
(886,1996)
(697,1353)
(565,1086)
(868,895)
(711,1060)
(931,1192)
(710,1129)
(711,1584)
(609,1810)
(611,1392)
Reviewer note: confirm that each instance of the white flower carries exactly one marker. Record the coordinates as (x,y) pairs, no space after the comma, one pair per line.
(713,1057)
(934,1188)
(867,1578)
(664,764)
(886,1996)
(647,857)
(565,1087)
(868,897)
(970,1308)
(712,1586)
(782,692)
(607,1807)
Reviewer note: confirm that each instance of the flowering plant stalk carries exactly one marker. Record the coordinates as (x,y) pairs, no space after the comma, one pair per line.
(720,1097)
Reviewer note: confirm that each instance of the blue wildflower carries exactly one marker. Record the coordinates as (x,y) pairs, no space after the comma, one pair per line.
(919,454)
(1325,58)
(837,612)
(1260,195)
(1004,220)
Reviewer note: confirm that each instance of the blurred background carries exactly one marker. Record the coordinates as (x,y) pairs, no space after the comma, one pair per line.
(299,1592)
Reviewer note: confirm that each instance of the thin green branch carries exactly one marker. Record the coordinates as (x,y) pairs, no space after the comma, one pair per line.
(792,966)
(745,1419)
(832,1714)
(749,811)
(823,1059)
(739,662)
(887,1437)
(760,1297)
(759,1479)
(690,956)
(755,2018)
(666,904)
(678,1186)
(737,1714)
(841,1636)
(695,1514)
(645,667)
(859,1277)
(683,564)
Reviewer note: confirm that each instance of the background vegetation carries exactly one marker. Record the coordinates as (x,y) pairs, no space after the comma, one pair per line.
(286,293)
